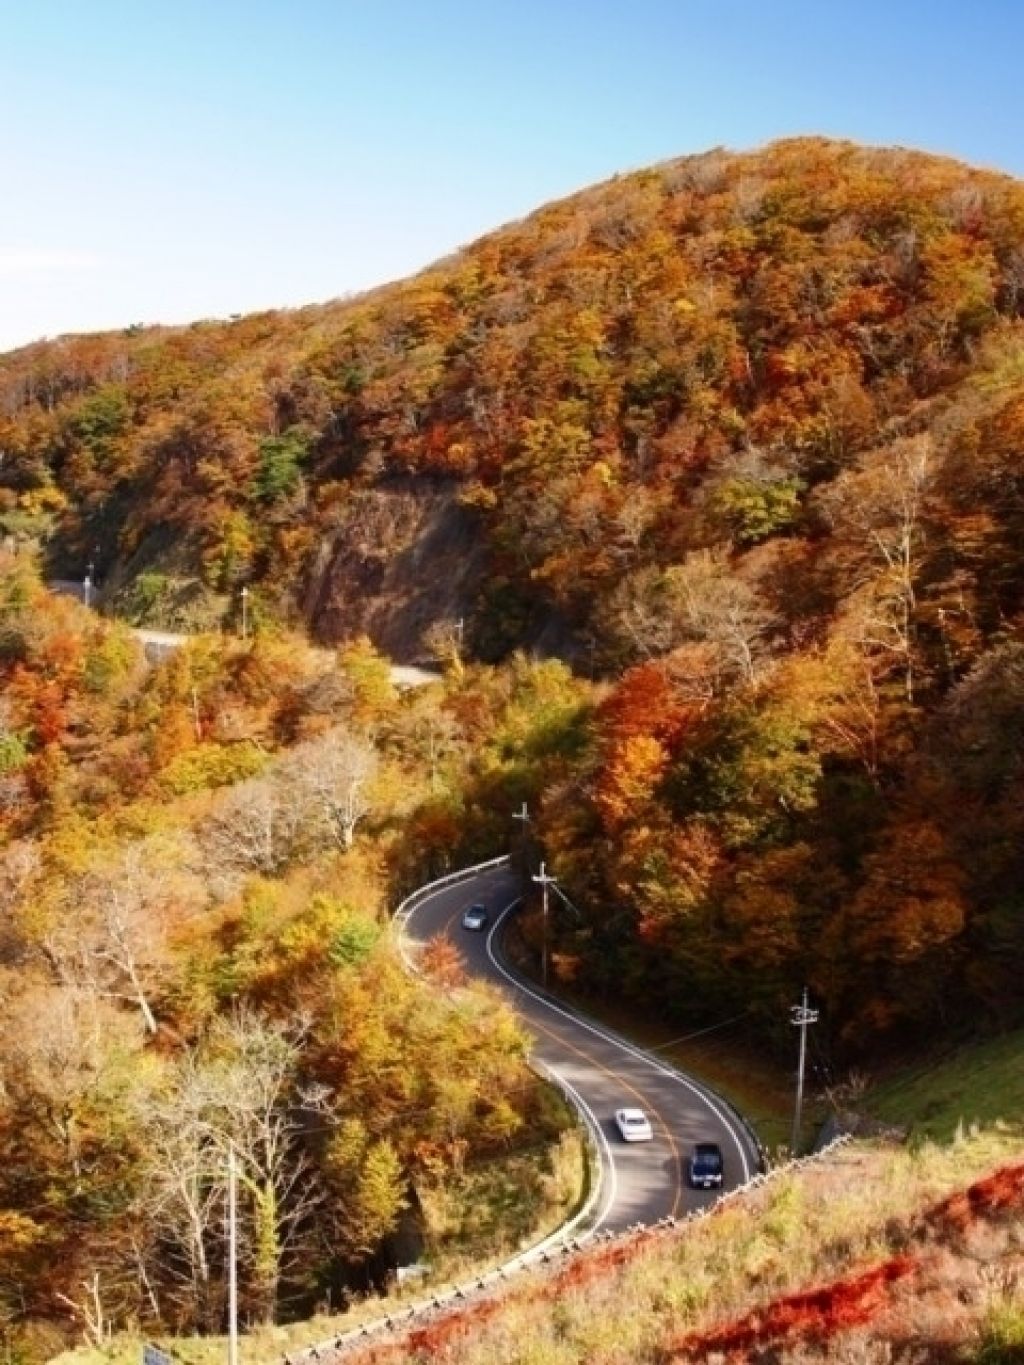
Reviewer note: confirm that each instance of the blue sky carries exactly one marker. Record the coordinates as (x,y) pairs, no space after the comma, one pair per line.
(166,160)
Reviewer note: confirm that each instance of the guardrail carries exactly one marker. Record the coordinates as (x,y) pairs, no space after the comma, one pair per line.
(395,1323)
(401,918)
(422,893)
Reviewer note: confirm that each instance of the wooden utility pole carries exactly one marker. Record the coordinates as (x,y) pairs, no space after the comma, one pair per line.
(545,882)
(232,1256)
(800,1016)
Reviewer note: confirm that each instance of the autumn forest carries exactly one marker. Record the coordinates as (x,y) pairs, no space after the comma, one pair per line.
(703,492)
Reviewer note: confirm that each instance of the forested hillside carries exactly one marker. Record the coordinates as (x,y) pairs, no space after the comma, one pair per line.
(196,865)
(680,360)
(739,438)
(740,432)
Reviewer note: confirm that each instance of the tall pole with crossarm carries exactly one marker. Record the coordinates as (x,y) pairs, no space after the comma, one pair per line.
(800,1016)
(523,816)
(545,882)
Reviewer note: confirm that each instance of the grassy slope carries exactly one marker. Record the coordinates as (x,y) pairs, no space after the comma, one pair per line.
(980,1084)
(851,1219)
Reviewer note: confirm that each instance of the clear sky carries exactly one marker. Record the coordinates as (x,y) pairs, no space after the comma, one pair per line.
(167,160)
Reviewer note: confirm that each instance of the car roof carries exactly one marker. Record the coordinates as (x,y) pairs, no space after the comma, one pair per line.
(706,1149)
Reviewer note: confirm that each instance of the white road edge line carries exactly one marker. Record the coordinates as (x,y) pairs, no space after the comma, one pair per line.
(589,1117)
(401,919)
(637,1053)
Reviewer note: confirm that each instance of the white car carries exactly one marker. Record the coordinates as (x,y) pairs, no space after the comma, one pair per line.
(475,918)
(634,1125)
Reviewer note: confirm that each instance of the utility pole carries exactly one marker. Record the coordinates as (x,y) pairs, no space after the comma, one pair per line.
(232,1256)
(800,1016)
(245,617)
(524,816)
(545,882)
(87,589)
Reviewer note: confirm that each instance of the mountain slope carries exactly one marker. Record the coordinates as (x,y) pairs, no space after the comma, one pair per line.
(741,432)
(868,1255)
(671,359)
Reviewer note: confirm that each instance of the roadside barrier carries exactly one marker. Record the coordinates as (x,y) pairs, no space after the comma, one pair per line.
(448,1301)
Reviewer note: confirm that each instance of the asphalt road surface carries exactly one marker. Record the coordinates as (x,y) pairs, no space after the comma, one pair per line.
(641,1181)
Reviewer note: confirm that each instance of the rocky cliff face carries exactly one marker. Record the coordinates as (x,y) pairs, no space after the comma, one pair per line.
(399,560)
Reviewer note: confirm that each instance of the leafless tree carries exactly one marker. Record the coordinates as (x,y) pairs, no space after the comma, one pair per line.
(112,934)
(444,640)
(634,519)
(710,603)
(253,1105)
(328,782)
(700,601)
(90,1311)
(878,506)
(60,1047)
(182,1199)
(234,1091)
(639,615)
(252,830)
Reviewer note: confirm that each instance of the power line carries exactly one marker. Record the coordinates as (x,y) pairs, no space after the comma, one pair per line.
(711,1028)
(563,897)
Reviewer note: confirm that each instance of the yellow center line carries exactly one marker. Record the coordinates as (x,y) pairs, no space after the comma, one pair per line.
(600,1066)
(645,1102)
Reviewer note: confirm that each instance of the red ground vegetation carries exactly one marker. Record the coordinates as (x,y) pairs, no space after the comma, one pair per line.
(810,1317)
(1000,1193)
(814,1314)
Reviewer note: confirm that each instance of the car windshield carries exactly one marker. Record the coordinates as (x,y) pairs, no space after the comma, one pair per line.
(707,1161)
(635,1121)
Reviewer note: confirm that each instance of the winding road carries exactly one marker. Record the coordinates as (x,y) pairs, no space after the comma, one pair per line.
(158,644)
(641,1182)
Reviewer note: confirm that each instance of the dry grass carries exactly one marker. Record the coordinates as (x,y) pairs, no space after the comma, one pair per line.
(872,1256)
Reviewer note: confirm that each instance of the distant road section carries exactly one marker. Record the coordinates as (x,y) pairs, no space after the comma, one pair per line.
(159,643)
(404,675)
(68,587)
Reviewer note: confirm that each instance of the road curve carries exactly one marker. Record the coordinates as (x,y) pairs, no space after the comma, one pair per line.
(641,1182)
(158,644)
